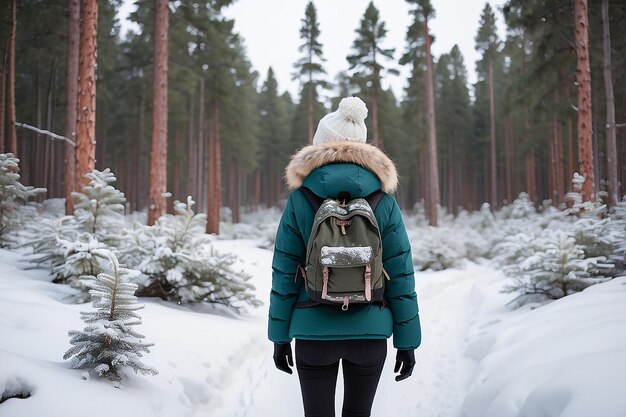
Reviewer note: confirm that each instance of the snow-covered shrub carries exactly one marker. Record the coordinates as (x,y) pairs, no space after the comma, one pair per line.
(109,345)
(181,265)
(13,195)
(260,225)
(446,246)
(618,228)
(556,266)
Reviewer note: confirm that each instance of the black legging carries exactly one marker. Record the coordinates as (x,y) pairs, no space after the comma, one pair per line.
(317,362)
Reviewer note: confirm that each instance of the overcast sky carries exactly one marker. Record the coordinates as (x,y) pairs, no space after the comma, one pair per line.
(271,32)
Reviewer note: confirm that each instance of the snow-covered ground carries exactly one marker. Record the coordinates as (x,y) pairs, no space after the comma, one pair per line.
(478,358)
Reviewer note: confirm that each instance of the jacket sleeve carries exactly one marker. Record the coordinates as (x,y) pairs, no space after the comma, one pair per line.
(400,289)
(289,252)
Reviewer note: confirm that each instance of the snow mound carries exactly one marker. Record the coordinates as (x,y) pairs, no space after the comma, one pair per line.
(564,359)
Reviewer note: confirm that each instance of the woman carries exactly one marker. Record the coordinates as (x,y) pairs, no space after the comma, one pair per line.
(340,162)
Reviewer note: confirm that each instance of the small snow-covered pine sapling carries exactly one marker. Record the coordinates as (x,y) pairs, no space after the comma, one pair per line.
(556,269)
(108,345)
(99,207)
(13,195)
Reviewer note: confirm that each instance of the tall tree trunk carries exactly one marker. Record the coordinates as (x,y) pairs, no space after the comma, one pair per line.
(433,171)
(140,196)
(3,96)
(233,190)
(552,193)
(48,161)
(583,77)
(86,110)
(192,156)
(508,157)
(257,189)
(12,133)
(309,114)
(176,174)
(214,194)
(71,96)
(611,145)
(201,184)
(571,163)
(158,153)
(560,169)
(492,139)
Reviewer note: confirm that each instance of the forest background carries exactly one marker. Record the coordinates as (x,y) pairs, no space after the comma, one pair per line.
(181,109)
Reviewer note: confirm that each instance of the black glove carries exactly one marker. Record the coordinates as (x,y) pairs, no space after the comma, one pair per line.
(282,357)
(406,360)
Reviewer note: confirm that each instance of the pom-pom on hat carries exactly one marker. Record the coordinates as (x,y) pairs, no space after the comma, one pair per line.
(345,123)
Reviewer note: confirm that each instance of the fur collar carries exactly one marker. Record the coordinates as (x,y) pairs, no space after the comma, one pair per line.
(314,156)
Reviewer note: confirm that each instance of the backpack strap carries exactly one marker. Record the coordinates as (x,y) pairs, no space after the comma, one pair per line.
(374,198)
(314,200)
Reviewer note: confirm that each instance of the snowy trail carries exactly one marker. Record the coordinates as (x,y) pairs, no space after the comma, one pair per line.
(449,306)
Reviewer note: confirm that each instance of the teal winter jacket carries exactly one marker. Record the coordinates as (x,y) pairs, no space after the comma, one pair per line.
(328,169)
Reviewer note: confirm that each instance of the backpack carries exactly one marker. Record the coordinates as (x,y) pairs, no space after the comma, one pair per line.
(344,252)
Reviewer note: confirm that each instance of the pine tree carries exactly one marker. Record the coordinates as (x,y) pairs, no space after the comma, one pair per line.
(274,138)
(365,60)
(309,68)
(488,43)
(109,345)
(454,118)
(583,78)
(71,95)
(158,152)
(12,134)
(13,195)
(86,121)
(419,40)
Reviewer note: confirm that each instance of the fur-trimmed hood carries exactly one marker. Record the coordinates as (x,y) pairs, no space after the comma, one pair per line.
(314,156)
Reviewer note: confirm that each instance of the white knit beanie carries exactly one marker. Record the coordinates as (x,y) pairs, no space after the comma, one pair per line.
(345,123)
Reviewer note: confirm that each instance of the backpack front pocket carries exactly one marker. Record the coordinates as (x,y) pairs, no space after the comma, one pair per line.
(346,271)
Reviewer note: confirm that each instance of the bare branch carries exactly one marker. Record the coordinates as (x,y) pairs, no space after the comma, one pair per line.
(45,132)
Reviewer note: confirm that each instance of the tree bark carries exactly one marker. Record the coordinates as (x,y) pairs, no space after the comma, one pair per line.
(71,96)
(433,171)
(233,190)
(86,110)
(571,164)
(3,96)
(140,197)
(492,140)
(257,189)
(583,77)
(158,153)
(611,140)
(12,133)
(214,193)
(192,156)
(200,182)
(508,157)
